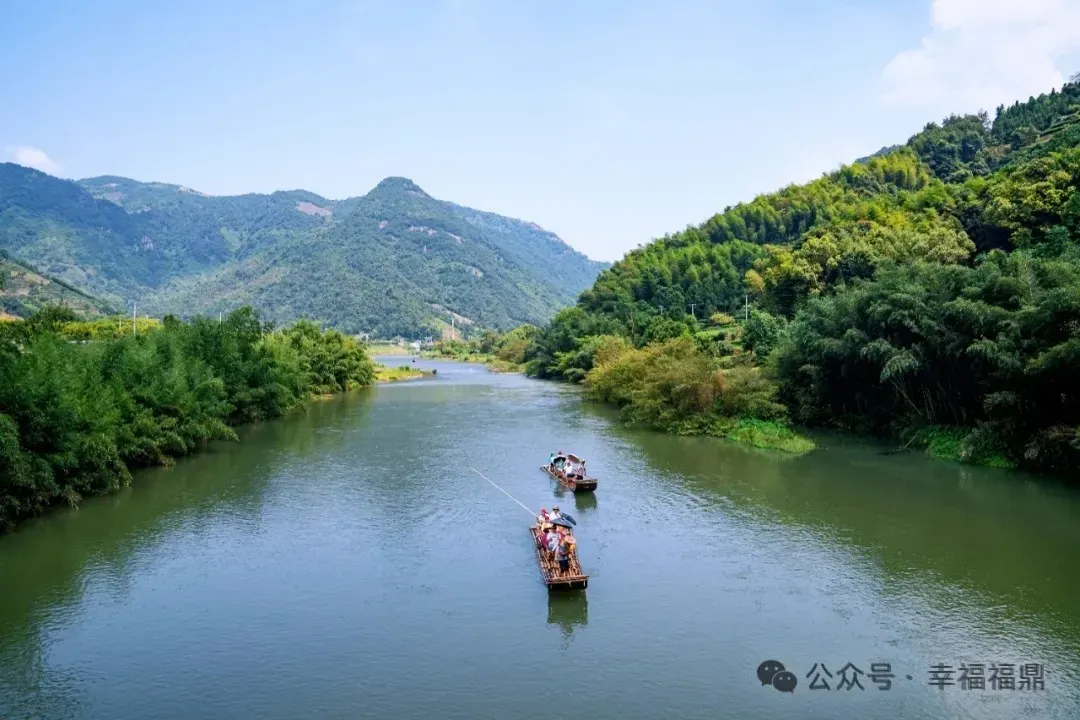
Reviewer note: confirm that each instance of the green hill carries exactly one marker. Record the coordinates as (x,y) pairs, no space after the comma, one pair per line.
(929,292)
(394,261)
(24,291)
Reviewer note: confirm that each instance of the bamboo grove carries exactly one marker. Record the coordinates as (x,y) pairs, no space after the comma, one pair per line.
(82,404)
(929,293)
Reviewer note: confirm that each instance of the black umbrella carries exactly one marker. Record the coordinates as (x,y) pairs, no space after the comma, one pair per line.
(562,521)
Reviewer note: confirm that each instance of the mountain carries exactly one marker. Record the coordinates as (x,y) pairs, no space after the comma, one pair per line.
(23,291)
(393,262)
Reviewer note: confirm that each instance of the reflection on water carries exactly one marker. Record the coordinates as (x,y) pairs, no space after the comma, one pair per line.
(569,611)
(585,502)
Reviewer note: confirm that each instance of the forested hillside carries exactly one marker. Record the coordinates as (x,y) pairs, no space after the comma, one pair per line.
(929,292)
(24,291)
(395,261)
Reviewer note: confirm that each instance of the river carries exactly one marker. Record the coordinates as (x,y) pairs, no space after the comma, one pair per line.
(346,563)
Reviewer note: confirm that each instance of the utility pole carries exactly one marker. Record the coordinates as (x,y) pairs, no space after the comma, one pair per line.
(134,315)
(692,314)
(747,315)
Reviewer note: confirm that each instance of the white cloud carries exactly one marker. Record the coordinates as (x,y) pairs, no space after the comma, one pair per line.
(982,53)
(32,157)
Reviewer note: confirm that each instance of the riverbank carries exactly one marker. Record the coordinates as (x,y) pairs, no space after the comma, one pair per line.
(76,418)
(384,374)
(491,362)
(675,387)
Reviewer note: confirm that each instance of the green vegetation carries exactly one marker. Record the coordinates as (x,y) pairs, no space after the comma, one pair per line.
(108,328)
(393,262)
(386,349)
(929,293)
(77,417)
(499,351)
(678,387)
(386,374)
(24,291)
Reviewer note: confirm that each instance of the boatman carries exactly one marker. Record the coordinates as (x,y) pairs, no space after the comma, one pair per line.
(562,554)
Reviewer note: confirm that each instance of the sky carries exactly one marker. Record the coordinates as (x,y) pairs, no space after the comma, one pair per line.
(608,122)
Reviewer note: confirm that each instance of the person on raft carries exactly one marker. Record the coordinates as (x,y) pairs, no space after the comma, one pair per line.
(544,537)
(562,554)
(553,541)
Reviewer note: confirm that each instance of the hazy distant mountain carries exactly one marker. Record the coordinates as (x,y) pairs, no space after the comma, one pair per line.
(395,261)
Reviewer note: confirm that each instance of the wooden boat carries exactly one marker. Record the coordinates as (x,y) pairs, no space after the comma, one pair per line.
(588,484)
(554,578)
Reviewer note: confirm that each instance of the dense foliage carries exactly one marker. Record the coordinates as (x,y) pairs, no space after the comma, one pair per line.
(929,291)
(994,348)
(76,416)
(393,262)
(676,387)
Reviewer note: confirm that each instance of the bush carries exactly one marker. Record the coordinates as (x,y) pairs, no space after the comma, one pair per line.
(677,388)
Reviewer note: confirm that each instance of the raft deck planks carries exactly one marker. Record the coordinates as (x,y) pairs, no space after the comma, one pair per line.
(586,485)
(574,579)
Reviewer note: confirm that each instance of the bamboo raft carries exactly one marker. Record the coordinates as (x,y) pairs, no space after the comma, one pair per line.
(586,485)
(554,578)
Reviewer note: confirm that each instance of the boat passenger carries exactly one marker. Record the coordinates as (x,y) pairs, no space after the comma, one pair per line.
(562,555)
(555,513)
(551,460)
(553,541)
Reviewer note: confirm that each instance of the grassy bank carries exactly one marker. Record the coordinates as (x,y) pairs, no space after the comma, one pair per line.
(960,445)
(491,362)
(384,374)
(767,434)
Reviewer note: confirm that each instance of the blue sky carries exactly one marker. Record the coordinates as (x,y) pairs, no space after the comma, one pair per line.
(609,122)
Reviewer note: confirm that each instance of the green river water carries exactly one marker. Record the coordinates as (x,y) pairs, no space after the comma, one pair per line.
(346,563)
